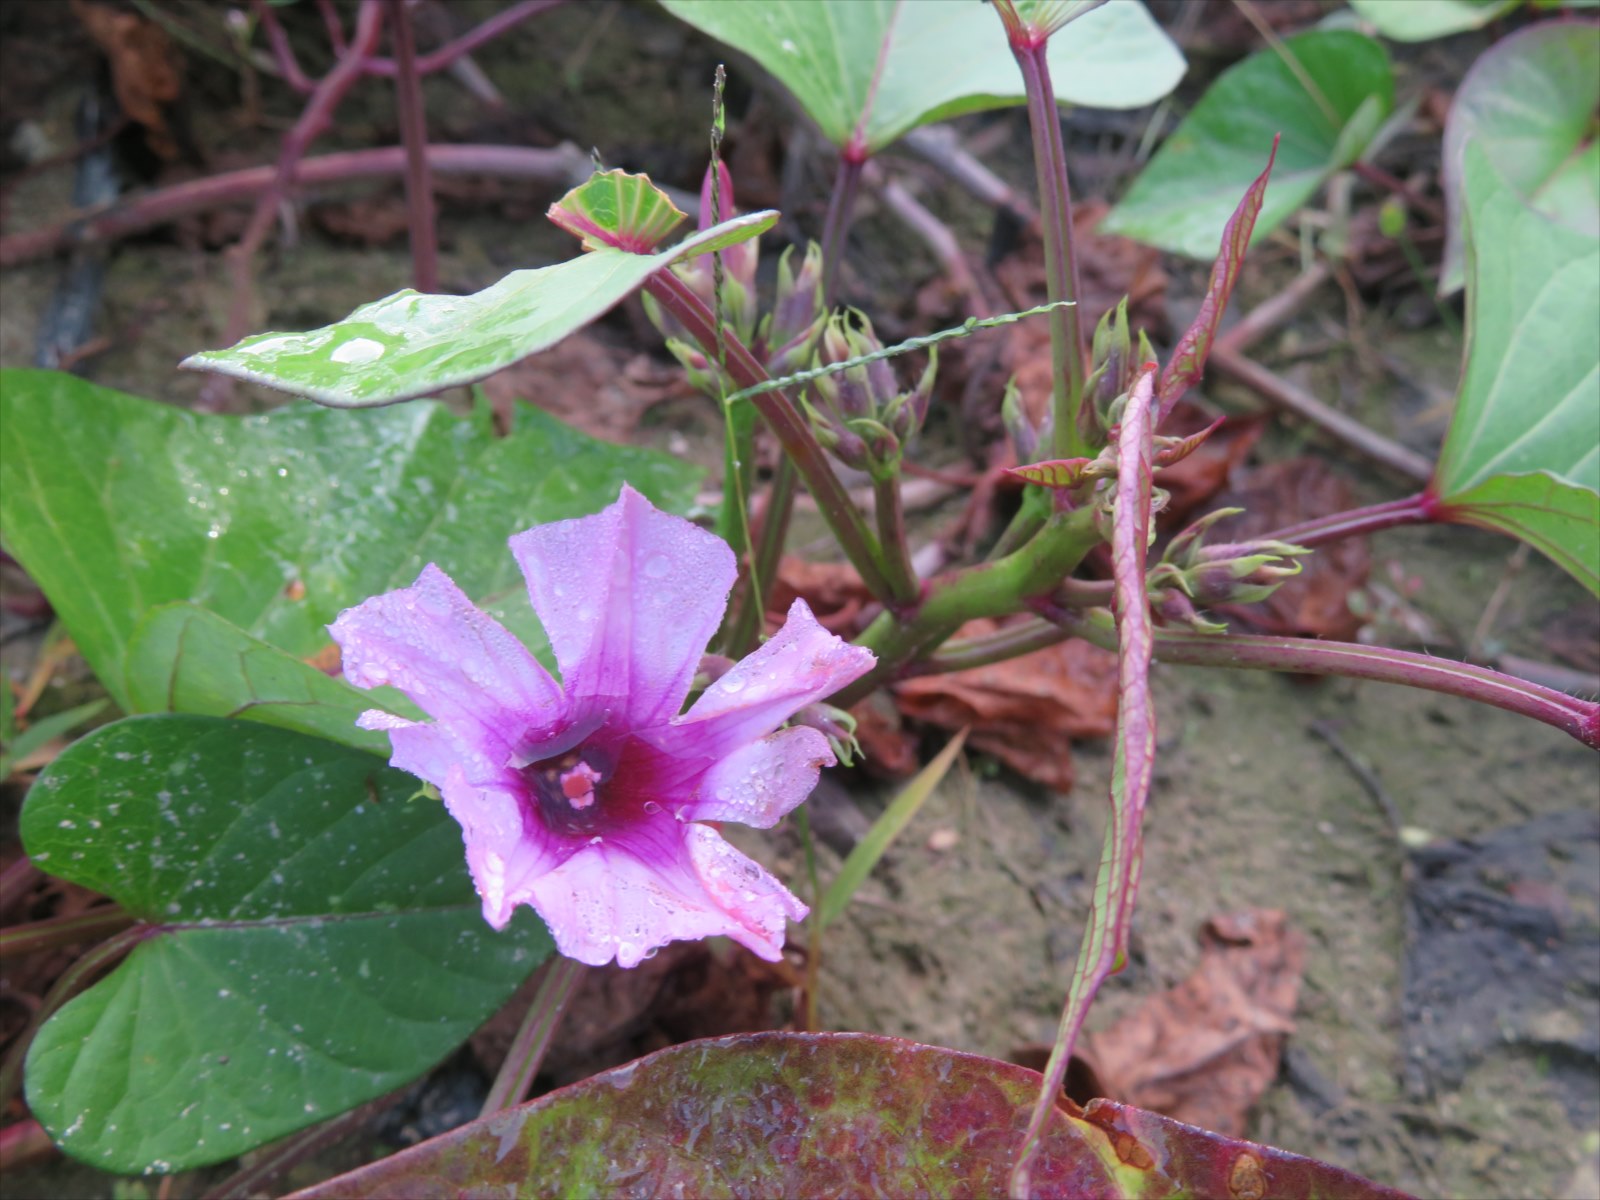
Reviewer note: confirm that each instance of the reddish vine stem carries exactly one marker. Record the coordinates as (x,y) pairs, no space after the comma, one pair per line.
(1298,656)
(414,136)
(1420,509)
(563,165)
(313,120)
(534,1035)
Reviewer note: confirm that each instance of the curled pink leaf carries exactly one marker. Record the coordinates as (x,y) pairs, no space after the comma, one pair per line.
(1189,356)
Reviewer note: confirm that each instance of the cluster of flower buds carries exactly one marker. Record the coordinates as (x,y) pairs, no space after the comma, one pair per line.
(1193,575)
(1113,369)
(785,338)
(860,415)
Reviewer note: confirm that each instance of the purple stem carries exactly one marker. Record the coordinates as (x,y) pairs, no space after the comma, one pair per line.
(23,1144)
(63,931)
(528,1048)
(1420,509)
(841,204)
(437,60)
(282,51)
(563,165)
(414,136)
(1055,225)
(784,419)
(17,880)
(1298,656)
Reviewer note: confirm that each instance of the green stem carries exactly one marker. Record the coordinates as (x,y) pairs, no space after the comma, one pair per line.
(903,584)
(792,430)
(744,630)
(533,1037)
(987,590)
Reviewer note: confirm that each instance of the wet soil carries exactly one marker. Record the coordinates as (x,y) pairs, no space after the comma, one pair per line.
(968,941)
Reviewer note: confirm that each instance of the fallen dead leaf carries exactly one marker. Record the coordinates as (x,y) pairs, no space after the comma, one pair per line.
(1316,602)
(145,68)
(588,383)
(1024,711)
(1205,1051)
(833,591)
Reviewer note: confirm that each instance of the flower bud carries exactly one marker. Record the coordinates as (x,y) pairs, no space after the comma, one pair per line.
(791,330)
(738,261)
(838,726)
(1229,572)
(865,399)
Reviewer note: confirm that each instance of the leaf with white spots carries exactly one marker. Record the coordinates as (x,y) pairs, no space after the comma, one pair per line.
(310,939)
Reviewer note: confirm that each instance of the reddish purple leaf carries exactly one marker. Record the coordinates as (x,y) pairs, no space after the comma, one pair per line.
(1055,473)
(827,1114)
(1171,451)
(1189,356)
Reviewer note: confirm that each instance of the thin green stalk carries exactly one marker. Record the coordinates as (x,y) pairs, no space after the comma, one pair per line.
(802,822)
(533,1036)
(792,429)
(987,590)
(903,585)
(750,606)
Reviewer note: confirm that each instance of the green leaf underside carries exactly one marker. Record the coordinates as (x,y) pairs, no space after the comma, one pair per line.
(1184,198)
(1530,103)
(945,57)
(317,942)
(1523,451)
(617,208)
(275,524)
(1422,20)
(410,344)
(842,1114)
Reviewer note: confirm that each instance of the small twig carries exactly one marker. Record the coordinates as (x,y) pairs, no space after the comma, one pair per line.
(313,120)
(934,234)
(437,60)
(533,1036)
(289,69)
(1377,176)
(1303,404)
(1497,600)
(1270,314)
(414,136)
(564,165)
(55,932)
(941,146)
(1365,775)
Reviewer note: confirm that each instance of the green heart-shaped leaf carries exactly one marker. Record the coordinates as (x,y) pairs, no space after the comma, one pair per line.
(1184,198)
(313,940)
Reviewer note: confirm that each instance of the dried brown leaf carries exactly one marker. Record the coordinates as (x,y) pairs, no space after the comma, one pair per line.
(1024,711)
(1205,1051)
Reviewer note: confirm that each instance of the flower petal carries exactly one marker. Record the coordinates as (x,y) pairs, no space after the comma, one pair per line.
(799,664)
(505,851)
(629,598)
(456,663)
(623,899)
(760,782)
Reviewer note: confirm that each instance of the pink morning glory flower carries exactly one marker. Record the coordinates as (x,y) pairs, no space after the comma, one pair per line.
(588,799)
